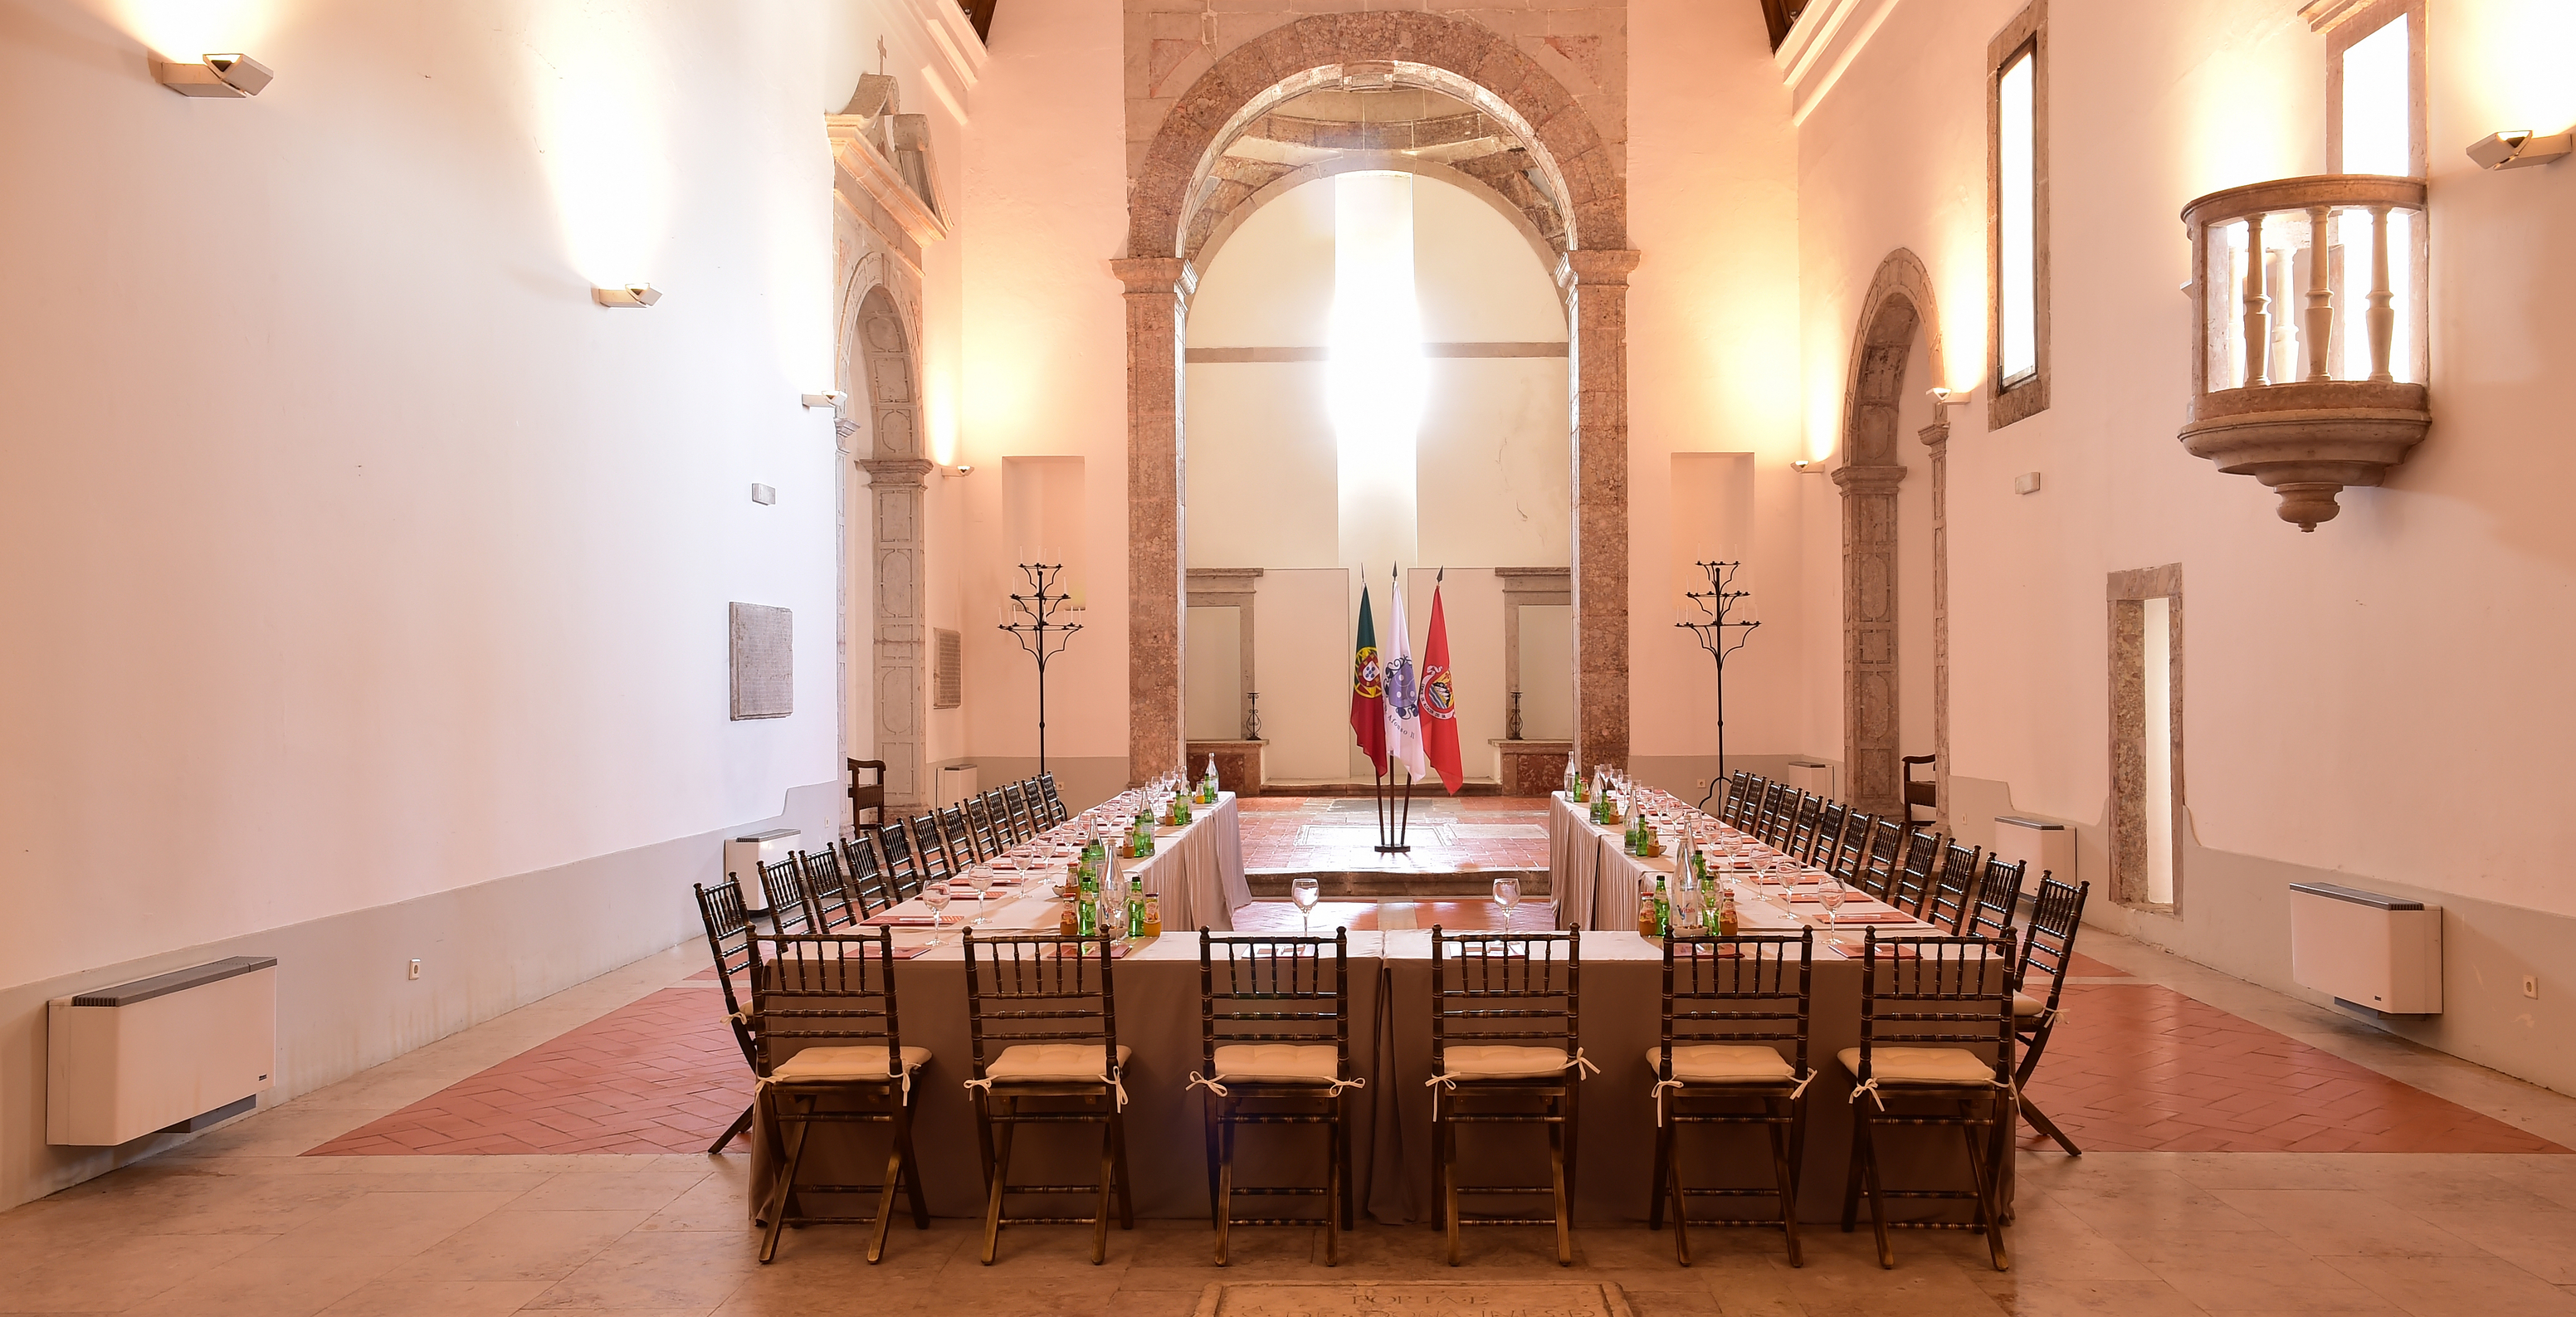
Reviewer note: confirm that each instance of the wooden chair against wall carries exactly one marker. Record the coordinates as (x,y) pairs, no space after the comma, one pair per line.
(1926,794)
(867,800)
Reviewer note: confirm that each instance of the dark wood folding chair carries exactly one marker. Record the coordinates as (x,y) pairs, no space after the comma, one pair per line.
(868,885)
(1743,793)
(823,1008)
(1734,1052)
(1275,1049)
(830,903)
(1024,820)
(1831,819)
(930,850)
(1055,811)
(1936,1049)
(2055,918)
(867,799)
(1506,1049)
(958,838)
(1004,825)
(1913,880)
(1925,794)
(1998,900)
(1044,1018)
(980,827)
(1802,826)
(1954,888)
(784,884)
(1878,862)
(1851,849)
(903,873)
(729,931)
(1772,827)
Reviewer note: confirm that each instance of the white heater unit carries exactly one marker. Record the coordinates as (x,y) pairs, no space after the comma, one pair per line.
(2042,847)
(170,1054)
(744,855)
(1813,776)
(956,783)
(2380,953)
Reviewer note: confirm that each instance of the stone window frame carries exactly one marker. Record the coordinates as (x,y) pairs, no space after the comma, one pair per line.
(2127,594)
(2028,396)
(2345,23)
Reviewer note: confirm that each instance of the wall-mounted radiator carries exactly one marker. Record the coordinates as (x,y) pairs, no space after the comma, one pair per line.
(2041,846)
(2381,953)
(172,1053)
(956,783)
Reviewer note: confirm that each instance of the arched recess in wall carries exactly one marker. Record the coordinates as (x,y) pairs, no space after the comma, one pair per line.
(1177,201)
(881,428)
(1898,307)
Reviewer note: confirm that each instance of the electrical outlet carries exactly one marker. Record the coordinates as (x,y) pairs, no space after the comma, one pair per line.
(1700,785)
(2531,986)
(415,969)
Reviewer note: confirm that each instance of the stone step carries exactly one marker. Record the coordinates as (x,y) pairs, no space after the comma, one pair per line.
(1370,885)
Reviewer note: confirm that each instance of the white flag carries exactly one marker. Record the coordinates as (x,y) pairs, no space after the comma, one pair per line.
(1403,694)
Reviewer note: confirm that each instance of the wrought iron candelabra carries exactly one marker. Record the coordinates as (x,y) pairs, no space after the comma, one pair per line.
(1038,632)
(1721,636)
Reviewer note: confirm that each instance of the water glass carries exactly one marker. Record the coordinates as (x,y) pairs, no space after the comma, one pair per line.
(1831,896)
(980,877)
(935,896)
(1305,891)
(1507,894)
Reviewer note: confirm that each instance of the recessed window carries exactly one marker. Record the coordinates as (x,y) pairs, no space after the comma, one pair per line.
(2374,89)
(2017,209)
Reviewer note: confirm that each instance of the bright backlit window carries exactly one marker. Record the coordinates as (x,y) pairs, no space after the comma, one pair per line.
(1376,378)
(2378,103)
(2017,217)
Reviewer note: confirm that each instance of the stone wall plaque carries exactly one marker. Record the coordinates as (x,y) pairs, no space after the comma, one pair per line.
(764,683)
(1431,1299)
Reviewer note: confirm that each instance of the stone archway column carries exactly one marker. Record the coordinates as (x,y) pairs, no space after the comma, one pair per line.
(1936,437)
(896,488)
(1596,290)
(1158,293)
(1869,636)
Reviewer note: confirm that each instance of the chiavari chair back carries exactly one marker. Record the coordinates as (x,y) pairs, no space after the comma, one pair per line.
(729,931)
(1954,888)
(1275,1049)
(1742,792)
(1998,901)
(998,813)
(930,850)
(958,838)
(1043,1015)
(823,1008)
(1802,826)
(1936,1048)
(1055,811)
(784,884)
(1914,875)
(1878,861)
(902,867)
(2056,916)
(868,882)
(1734,1052)
(828,899)
(1850,849)
(1771,826)
(1506,1048)
(980,825)
(1831,819)
(1024,818)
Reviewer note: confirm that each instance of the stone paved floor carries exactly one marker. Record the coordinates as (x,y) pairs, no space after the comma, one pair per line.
(238,1221)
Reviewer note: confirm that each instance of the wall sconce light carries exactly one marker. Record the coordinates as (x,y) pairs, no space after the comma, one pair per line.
(2515,148)
(229,76)
(832,400)
(956,472)
(1945,399)
(764,494)
(1807,466)
(634,295)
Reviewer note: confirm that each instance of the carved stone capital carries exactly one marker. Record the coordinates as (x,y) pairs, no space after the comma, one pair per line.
(1168,276)
(1935,436)
(1868,479)
(897,470)
(1592,267)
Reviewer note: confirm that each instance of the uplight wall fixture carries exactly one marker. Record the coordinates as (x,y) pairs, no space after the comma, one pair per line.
(231,77)
(1945,399)
(2515,148)
(634,295)
(832,400)
(960,470)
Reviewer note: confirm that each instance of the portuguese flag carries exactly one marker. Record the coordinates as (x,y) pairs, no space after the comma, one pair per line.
(1368,697)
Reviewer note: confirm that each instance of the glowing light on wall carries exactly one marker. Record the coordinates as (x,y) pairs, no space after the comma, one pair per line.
(602,138)
(1375,380)
(187,29)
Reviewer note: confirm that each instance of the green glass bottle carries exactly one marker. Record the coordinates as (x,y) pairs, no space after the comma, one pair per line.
(1086,915)
(1663,909)
(1135,914)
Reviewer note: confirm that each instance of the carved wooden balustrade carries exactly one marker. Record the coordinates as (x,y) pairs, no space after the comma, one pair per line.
(2309,359)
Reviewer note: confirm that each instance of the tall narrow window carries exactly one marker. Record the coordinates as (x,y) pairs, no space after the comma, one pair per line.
(2017,208)
(2374,89)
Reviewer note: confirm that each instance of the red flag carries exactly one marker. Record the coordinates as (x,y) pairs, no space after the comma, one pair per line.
(1368,695)
(1440,702)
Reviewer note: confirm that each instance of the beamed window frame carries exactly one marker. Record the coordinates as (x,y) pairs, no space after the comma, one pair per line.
(2025,394)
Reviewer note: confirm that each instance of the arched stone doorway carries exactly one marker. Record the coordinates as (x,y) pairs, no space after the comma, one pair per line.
(1898,307)
(1178,201)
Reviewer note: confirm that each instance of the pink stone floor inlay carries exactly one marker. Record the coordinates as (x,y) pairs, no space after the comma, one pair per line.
(1325,834)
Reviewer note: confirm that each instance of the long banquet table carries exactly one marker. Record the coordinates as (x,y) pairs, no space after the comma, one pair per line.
(1157,989)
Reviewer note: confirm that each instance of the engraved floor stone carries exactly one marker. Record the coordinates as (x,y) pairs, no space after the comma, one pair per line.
(1460,1298)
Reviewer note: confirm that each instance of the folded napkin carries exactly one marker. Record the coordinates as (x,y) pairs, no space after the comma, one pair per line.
(1855,948)
(1876,917)
(1117,950)
(914,921)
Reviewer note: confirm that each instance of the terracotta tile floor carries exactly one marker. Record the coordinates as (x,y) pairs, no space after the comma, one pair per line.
(1324,834)
(662,1074)
(2137,1067)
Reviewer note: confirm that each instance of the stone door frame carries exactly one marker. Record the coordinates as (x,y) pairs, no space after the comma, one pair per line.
(1587,177)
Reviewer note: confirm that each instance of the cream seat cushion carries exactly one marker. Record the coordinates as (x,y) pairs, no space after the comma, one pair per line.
(1921,1065)
(2026,1006)
(1057,1063)
(824,1064)
(1278,1063)
(1723,1063)
(1496,1062)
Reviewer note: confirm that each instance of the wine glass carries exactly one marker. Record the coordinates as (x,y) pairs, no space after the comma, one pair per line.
(1831,896)
(980,877)
(1304,890)
(1507,894)
(935,896)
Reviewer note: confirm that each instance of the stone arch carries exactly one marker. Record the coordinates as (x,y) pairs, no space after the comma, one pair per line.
(1365,161)
(1897,309)
(880,379)
(1576,165)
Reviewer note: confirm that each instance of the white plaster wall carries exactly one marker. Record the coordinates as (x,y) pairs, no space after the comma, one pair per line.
(2378,700)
